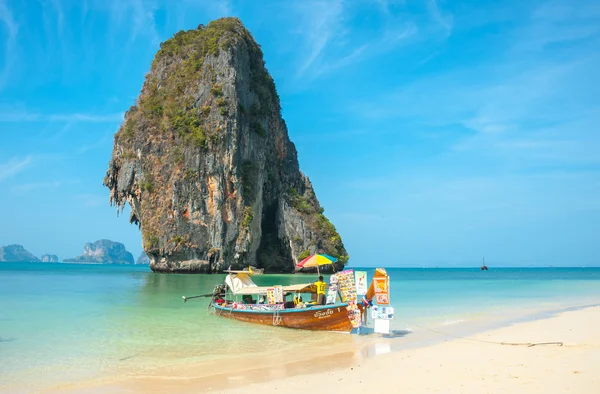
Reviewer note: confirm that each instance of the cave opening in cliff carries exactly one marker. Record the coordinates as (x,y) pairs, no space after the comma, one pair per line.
(272,255)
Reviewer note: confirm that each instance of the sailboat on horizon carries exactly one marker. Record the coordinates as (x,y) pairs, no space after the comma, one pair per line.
(483,266)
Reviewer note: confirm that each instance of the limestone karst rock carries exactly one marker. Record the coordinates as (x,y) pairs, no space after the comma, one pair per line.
(103,251)
(49,258)
(143,259)
(16,254)
(206,164)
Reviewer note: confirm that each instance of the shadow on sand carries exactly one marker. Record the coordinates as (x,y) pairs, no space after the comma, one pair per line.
(392,334)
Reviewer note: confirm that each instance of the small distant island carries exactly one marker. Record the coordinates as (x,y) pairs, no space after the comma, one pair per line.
(143,259)
(16,254)
(49,258)
(103,251)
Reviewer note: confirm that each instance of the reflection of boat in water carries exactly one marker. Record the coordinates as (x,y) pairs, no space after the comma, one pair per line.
(241,299)
(483,266)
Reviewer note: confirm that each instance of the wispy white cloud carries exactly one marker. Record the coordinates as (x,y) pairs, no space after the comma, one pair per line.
(320,19)
(344,61)
(397,34)
(526,117)
(387,5)
(143,21)
(28,187)
(136,16)
(364,184)
(105,140)
(84,10)
(446,21)
(559,22)
(14,166)
(329,41)
(364,218)
(567,11)
(568,142)
(64,130)
(521,110)
(12,29)
(217,8)
(333,136)
(25,116)
(83,117)
(60,16)
(212,9)
(91,200)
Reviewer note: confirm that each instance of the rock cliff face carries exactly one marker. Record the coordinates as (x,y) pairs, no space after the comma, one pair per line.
(16,254)
(49,258)
(103,252)
(205,162)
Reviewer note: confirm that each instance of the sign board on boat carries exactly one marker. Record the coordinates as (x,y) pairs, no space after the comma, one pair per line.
(275,295)
(332,294)
(361,282)
(333,279)
(347,286)
(382,290)
(382,312)
(354,314)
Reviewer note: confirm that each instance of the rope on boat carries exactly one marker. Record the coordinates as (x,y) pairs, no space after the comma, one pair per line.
(528,344)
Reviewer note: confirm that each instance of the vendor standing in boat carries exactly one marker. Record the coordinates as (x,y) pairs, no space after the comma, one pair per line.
(321,297)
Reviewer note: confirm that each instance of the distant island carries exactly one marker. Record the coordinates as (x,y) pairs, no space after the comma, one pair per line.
(103,251)
(16,254)
(143,259)
(49,258)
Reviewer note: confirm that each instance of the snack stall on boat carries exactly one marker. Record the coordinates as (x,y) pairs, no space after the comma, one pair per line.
(293,306)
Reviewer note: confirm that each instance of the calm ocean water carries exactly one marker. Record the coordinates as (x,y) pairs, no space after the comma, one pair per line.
(65,322)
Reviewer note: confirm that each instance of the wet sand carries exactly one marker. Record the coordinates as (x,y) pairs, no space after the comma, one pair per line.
(451,365)
(471,366)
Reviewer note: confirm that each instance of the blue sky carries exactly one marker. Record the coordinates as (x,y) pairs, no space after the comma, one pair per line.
(434,132)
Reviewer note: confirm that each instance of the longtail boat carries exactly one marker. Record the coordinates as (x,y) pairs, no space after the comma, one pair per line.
(283,306)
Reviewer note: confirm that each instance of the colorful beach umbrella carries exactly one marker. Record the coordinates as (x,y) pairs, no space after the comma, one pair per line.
(317,260)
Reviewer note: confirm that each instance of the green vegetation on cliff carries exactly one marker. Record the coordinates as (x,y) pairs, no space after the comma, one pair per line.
(168,101)
(331,242)
(167,107)
(204,159)
(219,34)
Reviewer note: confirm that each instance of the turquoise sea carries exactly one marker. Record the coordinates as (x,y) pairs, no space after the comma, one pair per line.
(70,322)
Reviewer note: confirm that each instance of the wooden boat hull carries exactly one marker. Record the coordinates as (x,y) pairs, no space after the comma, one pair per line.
(318,318)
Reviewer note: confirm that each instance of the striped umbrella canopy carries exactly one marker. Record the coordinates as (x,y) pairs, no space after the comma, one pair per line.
(317,260)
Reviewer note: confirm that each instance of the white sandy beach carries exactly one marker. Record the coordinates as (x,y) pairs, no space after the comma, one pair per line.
(466,366)
(452,366)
